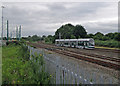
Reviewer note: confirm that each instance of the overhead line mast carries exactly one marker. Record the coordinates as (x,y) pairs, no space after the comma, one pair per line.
(7,31)
(19,32)
(2,24)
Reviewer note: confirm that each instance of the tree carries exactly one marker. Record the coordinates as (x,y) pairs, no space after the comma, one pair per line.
(98,36)
(65,30)
(50,39)
(79,31)
(43,37)
(73,37)
(69,31)
(117,36)
(104,38)
(35,38)
(110,35)
(90,35)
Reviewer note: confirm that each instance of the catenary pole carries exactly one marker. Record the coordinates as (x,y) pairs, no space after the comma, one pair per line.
(19,32)
(16,33)
(7,31)
(2,24)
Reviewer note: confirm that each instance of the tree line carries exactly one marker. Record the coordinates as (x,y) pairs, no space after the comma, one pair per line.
(69,31)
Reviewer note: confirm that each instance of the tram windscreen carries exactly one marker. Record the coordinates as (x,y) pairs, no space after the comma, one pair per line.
(91,44)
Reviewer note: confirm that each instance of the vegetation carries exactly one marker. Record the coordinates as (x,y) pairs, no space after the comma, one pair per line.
(18,69)
(108,43)
(50,39)
(32,38)
(69,31)
(0,65)
(107,40)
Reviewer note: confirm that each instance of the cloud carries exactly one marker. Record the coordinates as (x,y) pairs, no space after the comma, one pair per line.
(45,18)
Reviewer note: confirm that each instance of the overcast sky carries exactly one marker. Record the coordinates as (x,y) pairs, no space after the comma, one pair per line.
(44,18)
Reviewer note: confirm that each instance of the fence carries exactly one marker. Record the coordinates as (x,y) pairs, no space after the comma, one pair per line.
(66,71)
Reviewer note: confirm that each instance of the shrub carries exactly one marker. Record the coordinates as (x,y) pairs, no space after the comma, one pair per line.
(108,43)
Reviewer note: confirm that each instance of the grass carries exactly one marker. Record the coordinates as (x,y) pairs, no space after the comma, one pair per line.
(0,65)
(106,47)
(18,69)
(10,51)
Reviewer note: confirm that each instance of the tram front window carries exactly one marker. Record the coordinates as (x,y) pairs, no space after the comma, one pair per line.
(91,44)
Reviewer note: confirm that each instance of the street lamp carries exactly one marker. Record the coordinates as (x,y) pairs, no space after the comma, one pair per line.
(2,23)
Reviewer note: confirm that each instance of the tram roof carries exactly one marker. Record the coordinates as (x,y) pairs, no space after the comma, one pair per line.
(74,39)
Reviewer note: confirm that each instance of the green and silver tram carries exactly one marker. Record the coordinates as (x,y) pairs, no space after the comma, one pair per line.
(77,43)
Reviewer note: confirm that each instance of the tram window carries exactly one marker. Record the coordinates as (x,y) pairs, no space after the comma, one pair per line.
(73,43)
(65,43)
(57,42)
(80,43)
(86,43)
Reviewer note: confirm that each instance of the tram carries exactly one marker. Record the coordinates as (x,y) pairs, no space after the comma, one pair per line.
(76,43)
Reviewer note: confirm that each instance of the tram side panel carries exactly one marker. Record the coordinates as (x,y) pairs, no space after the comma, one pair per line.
(76,44)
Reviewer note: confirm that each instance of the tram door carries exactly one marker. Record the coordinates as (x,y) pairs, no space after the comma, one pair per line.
(86,44)
(72,44)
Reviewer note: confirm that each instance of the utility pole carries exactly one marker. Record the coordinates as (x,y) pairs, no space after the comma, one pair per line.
(59,38)
(2,24)
(59,35)
(7,31)
(19,32)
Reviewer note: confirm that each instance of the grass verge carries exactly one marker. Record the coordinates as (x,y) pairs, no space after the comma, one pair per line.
(18,69)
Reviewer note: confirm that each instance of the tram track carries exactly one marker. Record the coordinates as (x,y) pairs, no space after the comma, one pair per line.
(97,59)
(91,55)
(97,56)
(108,50)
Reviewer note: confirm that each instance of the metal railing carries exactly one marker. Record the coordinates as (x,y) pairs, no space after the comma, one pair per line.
(68,72)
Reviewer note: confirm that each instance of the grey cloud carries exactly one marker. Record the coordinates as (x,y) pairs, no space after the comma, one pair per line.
(45,18)
(102,27)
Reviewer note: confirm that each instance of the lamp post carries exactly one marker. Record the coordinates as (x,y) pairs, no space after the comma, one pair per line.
(2,24)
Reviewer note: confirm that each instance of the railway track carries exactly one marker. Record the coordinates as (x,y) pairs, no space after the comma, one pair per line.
(85,58)
(97,59)
(97,56)
(91,55)
(99,49)
(107,50)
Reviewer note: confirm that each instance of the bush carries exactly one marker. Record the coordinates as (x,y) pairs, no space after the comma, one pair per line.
(108,43)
